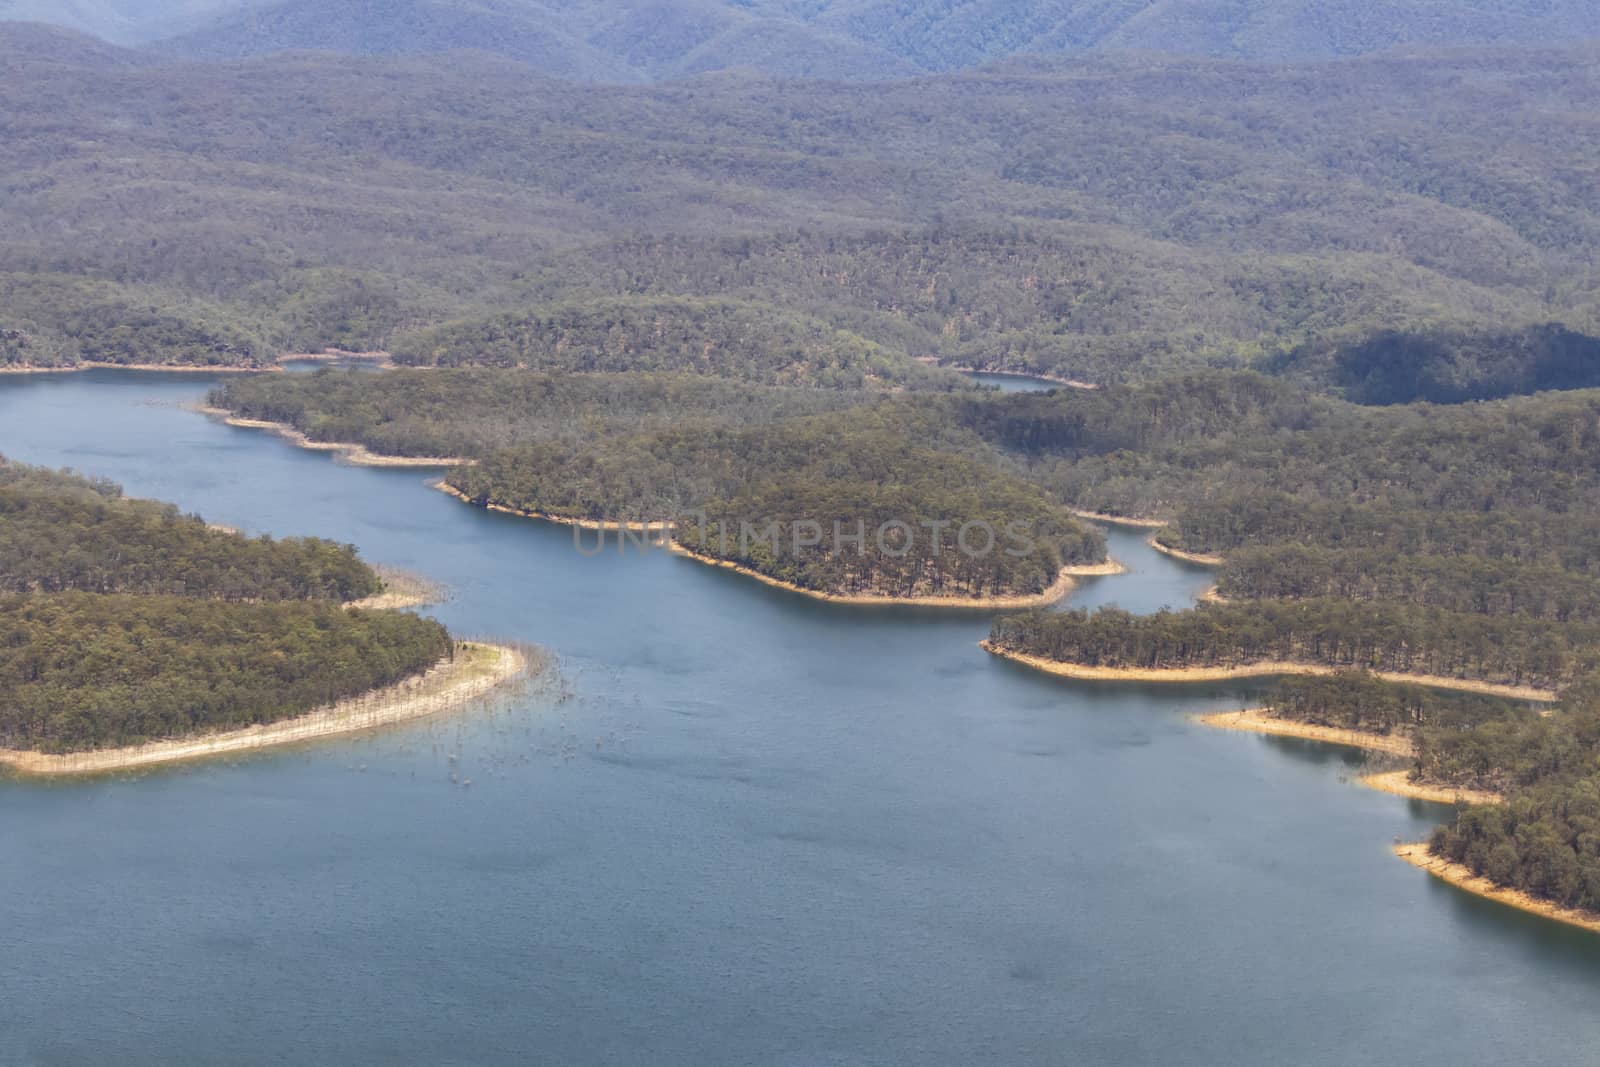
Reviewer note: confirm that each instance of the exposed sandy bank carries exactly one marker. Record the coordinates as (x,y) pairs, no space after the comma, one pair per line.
(1400,784)
(1257,721)
(358,455)
(656,527)
(1119,520)
(401,590)
(1462,878)
(1204,559)
(1058,589)
(172,368)
(1264,669)
(476,671)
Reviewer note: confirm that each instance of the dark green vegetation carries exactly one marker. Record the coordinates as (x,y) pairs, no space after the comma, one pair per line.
(122,621)
(79,671)
(632,39)
(60,532)
(1332,633)
(1448,367)
(715,458)
(1104,219)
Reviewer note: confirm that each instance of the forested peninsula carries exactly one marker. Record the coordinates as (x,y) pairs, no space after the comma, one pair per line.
(133,634)
(826,492)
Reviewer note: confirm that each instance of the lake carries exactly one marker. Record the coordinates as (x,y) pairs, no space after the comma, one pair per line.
(732,826)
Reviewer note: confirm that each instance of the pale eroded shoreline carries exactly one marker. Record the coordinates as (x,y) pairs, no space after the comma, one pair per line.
(174,368)
(1256,721)
(1203,559)
(1397,783)
(1264,669)
(401,590)
(1063,585)
(656,527)
(475,671)
(359,455)
(1119,520)
(1463,878)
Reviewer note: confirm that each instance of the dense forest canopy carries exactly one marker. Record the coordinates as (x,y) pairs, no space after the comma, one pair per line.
(61,532)
(123,621)
(80,671)
(1103,219)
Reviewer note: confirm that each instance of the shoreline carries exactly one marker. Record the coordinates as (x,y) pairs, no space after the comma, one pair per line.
(1264,669)
(335,355)
(1397,783)
(1063,585)
(171,368)
(355,454)
(603,525)
(1463,878)
(1119,520)
(1256,721)
(968,368)
(1203,559)
(477,670)
(401,590)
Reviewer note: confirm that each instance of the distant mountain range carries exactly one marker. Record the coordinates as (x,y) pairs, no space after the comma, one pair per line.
(644,40)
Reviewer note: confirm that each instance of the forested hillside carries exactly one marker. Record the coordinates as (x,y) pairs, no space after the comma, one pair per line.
(720,338)
(1103,219)
(622,40)
(80,672)
(123,621)
(61,532)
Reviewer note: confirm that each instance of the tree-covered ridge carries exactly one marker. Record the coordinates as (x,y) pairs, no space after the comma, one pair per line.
(80,671)
(1451,582)
(1177,214)
(1397,638)
(721,338)
(62,532)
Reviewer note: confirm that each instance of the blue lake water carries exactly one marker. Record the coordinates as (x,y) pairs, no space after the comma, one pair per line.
(733,826)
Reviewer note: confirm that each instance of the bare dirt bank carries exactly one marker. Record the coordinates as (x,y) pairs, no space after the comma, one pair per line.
(475,671)
(1059,588)
(171,368)
(1399,783)
(1257,721)
(401,590)
(656,527)
(349,453)
(1462,878)
(1264,669)
(1119,520)
(1204,559)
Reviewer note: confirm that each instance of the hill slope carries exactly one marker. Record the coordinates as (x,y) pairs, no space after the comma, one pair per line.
(624,40)
(1099,219)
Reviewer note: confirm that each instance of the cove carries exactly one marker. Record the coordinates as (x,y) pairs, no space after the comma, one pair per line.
(737,826)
